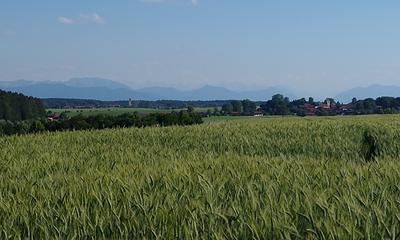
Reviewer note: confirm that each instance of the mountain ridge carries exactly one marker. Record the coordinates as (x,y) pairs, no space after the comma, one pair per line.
(109,90)
(371,91)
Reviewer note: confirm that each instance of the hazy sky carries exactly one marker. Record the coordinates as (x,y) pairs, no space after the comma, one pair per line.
(309,45)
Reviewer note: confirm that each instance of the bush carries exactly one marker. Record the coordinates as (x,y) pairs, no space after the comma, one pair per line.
(370,146)
(374,142)
(36,126)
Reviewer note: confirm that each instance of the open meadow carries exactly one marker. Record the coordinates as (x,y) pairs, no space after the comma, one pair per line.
(255,178)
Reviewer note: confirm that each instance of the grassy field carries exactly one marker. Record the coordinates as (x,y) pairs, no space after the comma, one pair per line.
(258,178)
(219,119)
(118,111)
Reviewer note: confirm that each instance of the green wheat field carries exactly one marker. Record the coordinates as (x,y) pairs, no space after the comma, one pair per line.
(267,178)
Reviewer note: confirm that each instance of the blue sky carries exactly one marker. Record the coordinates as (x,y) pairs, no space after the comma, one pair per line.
(317,47)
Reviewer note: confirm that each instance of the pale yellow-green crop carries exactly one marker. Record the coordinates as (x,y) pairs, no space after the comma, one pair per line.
(270,178)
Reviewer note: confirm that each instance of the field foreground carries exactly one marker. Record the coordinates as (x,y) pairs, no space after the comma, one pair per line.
(264,178)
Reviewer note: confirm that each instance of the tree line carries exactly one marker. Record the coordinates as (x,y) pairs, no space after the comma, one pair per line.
(17,107)
(280,105)
(243,107)
(20,114)
(381,105)
(101,121)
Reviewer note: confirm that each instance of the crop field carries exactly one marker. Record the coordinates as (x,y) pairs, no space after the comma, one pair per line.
(118,111)
(256,178)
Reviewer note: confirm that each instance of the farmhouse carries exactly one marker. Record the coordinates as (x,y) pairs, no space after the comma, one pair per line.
(258,114)
(54,118)
(327,105)
(310,109)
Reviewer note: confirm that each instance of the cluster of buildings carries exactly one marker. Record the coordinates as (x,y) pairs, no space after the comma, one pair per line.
(329,108)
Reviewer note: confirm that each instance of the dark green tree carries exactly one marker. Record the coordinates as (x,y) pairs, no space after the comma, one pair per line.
(190,109)
(278,105)
(237,106)
(249,106)
(227,108)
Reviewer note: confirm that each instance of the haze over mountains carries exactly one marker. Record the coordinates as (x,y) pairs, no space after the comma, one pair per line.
(109,90)
(372,91)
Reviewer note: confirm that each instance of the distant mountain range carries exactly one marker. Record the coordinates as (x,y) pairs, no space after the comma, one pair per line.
(372,91)
(109,90)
